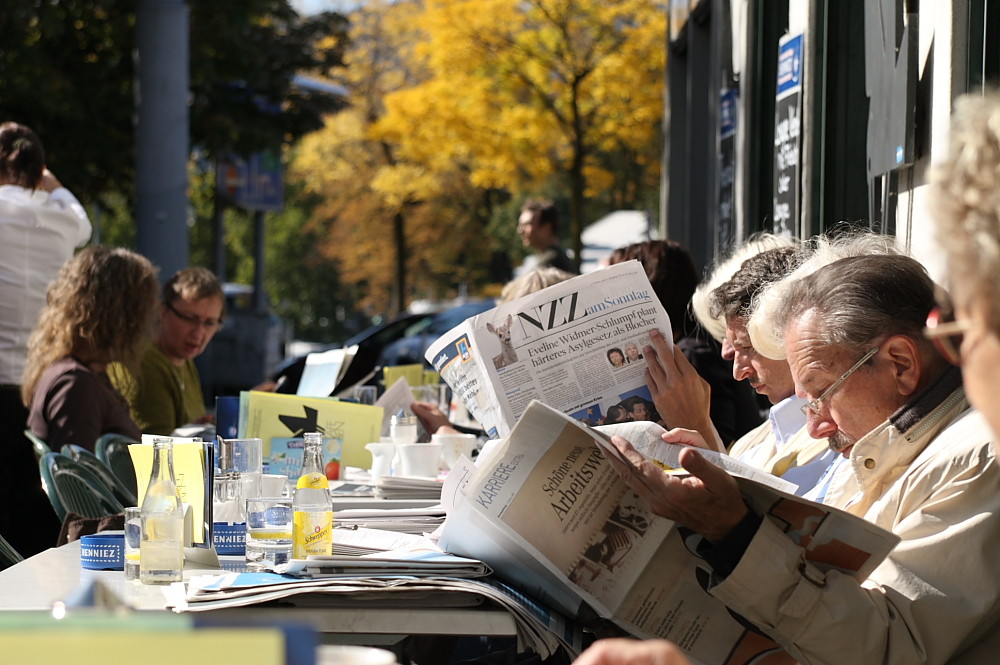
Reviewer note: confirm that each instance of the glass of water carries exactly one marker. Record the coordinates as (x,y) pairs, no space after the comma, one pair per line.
(133,535)
(269,533)
(364,394)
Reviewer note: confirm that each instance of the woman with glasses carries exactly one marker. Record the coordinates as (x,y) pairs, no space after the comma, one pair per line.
(98,311)
(966,203)
(166,393)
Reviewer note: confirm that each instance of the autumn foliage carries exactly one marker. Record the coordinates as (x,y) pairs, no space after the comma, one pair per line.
(459,104)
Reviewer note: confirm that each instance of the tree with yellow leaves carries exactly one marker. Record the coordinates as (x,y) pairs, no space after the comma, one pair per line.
(396,228)
(521,92)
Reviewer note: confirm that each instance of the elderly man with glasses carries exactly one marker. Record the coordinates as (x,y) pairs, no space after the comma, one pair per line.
(918,463)
(167,393)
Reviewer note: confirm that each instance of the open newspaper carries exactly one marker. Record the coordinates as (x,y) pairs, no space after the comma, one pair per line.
(569,345)
(548,512)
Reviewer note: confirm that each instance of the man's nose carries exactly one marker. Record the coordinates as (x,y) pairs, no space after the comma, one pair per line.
(820,425)
(742,369)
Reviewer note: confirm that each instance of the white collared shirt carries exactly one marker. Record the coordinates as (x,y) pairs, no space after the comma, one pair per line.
(38,232)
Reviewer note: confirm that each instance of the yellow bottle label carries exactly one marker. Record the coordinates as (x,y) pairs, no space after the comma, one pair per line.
(312,533)
(313,481)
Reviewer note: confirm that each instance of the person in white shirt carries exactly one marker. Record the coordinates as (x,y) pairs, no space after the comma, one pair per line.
(41,223)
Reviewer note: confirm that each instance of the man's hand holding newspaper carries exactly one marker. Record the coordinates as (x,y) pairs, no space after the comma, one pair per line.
(708,501)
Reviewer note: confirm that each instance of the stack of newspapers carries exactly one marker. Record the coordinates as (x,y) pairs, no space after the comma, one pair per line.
(407,487)
(417,521)
(412,581)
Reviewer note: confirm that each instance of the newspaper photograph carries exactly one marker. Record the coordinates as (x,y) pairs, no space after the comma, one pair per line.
(548,511)
(576,346)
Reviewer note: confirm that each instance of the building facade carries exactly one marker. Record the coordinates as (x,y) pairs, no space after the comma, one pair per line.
(810,116)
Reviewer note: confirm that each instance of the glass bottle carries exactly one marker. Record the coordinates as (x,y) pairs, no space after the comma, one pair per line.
(161,549)
(312,505)
(403,428)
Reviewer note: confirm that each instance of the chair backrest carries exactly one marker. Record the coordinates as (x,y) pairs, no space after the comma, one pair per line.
(72,488)
(41,448)
(86,458)
(112,449)
(8,555)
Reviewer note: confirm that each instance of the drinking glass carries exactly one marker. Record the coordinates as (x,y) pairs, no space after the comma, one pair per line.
(237,477)
(364,394)
(269,532)
(403,428)
(133,535)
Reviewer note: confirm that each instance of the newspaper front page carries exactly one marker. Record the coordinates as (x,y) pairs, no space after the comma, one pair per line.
(549,513)
(576,346)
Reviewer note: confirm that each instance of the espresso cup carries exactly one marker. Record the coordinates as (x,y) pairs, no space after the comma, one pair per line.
(419,459)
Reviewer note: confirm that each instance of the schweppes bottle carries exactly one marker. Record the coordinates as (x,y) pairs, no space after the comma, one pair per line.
(312,521)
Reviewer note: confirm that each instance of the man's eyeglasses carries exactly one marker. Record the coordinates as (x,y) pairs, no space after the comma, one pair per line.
(210,325)
(946,333)
(816,405)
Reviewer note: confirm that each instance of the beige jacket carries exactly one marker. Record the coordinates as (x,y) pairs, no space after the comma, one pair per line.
(929,476)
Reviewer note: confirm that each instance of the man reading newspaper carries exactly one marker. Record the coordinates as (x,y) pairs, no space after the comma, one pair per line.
(919,464)
(563,346)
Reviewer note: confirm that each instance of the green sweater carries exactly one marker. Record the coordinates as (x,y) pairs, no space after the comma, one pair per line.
(165,396)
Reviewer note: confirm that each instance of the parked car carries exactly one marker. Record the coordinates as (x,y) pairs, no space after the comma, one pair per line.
(250,343)
(410,348)
(401,341)
(370,343)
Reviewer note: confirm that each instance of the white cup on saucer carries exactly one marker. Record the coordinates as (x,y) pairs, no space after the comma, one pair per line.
(453,446)
(382,454)
(421,460)
(273,484)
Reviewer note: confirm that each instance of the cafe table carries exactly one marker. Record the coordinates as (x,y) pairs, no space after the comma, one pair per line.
(55,575)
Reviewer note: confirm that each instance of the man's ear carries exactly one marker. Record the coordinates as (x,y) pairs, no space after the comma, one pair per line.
(907,363)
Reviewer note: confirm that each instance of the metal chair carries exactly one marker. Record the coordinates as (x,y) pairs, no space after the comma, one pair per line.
(72,488)
(41,448)
(8,555)
(79,454)
(112,449)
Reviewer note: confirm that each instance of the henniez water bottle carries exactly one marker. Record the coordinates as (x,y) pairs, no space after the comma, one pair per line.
(161,548)
(312,519)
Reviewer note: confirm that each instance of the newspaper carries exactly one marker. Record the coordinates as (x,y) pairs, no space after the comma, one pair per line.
(548,512)
(566,345)
(539,629)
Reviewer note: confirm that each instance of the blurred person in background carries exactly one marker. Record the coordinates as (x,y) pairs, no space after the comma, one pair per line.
(41,223)
(532,281)
(166,393)
(733,409)
(431,417)
(99,310)
(538,226)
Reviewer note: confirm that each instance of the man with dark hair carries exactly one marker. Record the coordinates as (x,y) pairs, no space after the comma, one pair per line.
(538,226)
(731,409)
(781,445)
(918,463)
(41,223)
(167,393)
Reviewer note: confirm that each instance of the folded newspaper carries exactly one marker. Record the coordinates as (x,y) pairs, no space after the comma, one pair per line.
(539,629)
(548,512)
(568,345)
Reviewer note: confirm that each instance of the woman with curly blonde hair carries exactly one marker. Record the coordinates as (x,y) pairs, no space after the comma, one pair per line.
(98,310)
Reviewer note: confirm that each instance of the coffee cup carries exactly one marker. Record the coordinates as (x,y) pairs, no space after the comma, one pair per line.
(453,446)
(419,459)
(273,484)
(382,454)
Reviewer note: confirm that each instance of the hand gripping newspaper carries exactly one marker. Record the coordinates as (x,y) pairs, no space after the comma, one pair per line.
(564,345)
(547,511)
